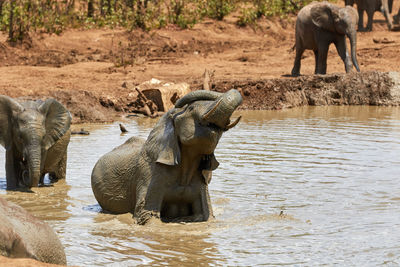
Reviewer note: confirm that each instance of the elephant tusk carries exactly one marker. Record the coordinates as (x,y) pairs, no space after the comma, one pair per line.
(233,124)
(211,111)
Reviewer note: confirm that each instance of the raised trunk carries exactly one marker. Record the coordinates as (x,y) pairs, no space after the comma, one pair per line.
(220,112)
(353,47)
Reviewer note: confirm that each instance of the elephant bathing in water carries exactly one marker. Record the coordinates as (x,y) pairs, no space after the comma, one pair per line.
(318,25)
(24,236)
(167,175)
(35,135)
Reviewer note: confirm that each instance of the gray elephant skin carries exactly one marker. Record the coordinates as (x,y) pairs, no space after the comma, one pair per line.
(167,175)
(24,236)
(370,6)
(317,26)
(35,135)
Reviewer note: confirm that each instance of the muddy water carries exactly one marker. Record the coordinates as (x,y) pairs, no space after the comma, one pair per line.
(306,186)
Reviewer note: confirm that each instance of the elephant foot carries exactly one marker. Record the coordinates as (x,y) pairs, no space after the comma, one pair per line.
(295,74)
(144,216)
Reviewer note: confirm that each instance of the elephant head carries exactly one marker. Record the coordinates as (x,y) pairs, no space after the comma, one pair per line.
(29,130)
(196,125)
(338,20)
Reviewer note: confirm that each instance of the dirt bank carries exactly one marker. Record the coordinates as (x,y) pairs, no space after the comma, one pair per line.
(85,69)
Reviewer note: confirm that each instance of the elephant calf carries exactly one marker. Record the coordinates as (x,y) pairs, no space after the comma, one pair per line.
(24,236)
(317,26)
(35,135)
(167,175)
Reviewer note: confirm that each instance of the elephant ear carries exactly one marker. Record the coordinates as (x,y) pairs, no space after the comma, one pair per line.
(8,107)
(57,121)
(323,16)
(169,150)
(207,165)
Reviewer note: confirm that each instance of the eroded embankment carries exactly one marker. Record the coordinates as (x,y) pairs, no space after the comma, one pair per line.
(367,88)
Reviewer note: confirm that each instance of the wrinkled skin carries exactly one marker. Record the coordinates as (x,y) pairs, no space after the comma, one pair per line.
(35,135)
(317,26)
(370,6)
(24,236)
(167,175)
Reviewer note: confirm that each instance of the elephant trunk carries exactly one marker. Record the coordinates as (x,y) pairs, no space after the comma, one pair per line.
(31,176)
(353,44)
(221,110)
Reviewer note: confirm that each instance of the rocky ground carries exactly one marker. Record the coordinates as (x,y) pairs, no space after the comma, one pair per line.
(94,72)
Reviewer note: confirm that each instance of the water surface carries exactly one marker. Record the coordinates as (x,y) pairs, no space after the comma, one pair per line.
(308,186)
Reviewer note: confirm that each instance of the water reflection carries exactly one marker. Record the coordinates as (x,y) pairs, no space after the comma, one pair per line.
(307,186)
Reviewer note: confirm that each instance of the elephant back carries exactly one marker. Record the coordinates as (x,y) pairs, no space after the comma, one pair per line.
(23,235)
(112,177)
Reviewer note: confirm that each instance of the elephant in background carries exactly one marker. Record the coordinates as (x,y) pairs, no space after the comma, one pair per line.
(167,175)
(370,6)
(317,26)
(24,236)
(35,135)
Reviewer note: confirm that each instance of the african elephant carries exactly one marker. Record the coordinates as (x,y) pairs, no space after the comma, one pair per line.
(35,135)
(167,175)
(24,236)
(317,26)
(370,6)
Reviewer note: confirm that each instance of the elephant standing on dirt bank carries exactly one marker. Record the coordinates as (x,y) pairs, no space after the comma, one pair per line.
(35,135)
(24,236)
(370,6)
(167,175)
(317,26)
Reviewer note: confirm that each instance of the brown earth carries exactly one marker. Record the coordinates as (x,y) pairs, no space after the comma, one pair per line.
(93,72)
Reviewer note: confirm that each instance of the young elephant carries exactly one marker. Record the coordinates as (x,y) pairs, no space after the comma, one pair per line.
(24,236)
(318,25)
(167,175)
(35,135)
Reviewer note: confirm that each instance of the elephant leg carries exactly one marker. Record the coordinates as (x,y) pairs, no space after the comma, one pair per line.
(297,61)
(370,14)
(61,171)
(316,60)
(360,18)
(322,57)
(41,179)
(385,10)
(148,205)
(11,170)
(342,51)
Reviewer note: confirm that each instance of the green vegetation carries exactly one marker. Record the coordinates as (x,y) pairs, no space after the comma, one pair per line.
(21,17)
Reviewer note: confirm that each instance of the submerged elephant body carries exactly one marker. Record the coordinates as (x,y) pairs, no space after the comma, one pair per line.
(24,236)
(167,175)
(35,135)
(320,24)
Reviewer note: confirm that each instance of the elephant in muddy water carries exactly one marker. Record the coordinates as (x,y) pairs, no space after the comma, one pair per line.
(35,135)
(317,26)
(167,175)
(24,236)
(370,6)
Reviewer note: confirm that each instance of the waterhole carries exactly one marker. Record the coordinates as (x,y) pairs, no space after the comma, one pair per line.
(307,186)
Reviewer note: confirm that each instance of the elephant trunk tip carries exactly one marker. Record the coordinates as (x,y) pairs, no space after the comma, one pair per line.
(221,110)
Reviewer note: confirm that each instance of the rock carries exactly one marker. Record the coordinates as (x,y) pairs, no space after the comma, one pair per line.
(164,95)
